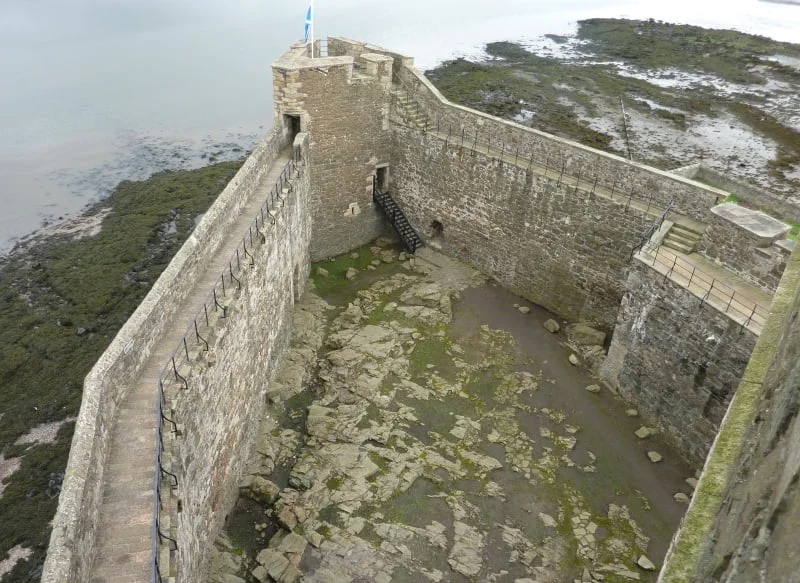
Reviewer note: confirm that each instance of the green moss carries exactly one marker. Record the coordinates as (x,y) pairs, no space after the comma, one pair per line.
(334,483)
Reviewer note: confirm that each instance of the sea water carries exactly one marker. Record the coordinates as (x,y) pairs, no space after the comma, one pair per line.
(96,91)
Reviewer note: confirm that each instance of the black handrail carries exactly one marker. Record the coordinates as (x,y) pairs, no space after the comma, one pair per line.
(171,367)
(413,109)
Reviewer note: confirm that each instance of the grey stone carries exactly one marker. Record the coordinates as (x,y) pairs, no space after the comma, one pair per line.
(645,563)
(654,456)
(644,432)
(322,272)
(681,497)
(354,255)
(573,360)
(585,335)
(261,490)
(632,412)
(593,388)
(524,309)
(351,272)
(692,482)
(551,326)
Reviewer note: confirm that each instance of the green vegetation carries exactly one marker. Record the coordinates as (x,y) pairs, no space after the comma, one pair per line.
(62,302)
(653,44)
(560,95)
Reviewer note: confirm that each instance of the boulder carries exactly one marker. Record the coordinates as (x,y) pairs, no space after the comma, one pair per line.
(681,497)
(585,335)
(644,432)
(524,309)
(551,326)
(261,490)
(593,388)
(322,272)
(654,456)
(351,272)
(573,360)
(645,563)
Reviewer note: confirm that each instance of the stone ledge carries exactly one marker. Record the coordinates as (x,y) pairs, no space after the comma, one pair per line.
(763,227)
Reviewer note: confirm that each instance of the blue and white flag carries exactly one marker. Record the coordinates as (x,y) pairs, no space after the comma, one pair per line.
(308,21)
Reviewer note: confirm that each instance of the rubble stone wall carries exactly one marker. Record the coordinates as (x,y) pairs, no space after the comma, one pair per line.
(567,251)
(644,182)
(679,360)
(343,102)
(227,386)
(71,549)
(743,521)
(739,251)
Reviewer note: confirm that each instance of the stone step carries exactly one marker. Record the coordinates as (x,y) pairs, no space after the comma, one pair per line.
(680,238)
(677,246)
(687,231)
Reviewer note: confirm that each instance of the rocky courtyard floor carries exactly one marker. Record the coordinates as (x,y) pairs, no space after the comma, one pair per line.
(427,427)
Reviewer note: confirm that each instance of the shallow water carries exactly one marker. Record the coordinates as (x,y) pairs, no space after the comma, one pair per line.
(96,92)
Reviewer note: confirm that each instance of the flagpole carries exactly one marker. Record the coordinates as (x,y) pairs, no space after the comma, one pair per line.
(312,29)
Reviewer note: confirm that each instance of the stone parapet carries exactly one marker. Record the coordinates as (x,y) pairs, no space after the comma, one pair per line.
(72,541)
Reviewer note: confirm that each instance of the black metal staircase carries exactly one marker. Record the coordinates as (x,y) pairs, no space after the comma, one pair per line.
(408,235)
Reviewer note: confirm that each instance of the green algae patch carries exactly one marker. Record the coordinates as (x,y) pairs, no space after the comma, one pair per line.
(63,300)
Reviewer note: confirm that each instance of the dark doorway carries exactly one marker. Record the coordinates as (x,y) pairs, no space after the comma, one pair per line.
(437,229)
(292,123)
(382,178)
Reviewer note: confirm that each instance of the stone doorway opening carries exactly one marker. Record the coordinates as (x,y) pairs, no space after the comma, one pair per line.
(292,125)
(382,178)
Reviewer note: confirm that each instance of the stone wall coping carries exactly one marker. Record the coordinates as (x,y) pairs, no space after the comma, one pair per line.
(761,225)
(129,348)
(685,552)
(713,193)
(297,58)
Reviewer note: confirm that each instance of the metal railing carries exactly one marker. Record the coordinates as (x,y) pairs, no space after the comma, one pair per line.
(746,311)
(651,230)
(197,335)
(554,167)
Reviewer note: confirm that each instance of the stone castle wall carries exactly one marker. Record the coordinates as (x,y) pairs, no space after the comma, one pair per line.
(644,182)
(567,251)
(343,102)
(742,523)
(678,359)
(743,253)
(227,386)
(71,550)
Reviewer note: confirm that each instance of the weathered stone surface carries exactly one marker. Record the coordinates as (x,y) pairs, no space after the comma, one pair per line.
(593,388)
(351,272)
(573,360)
(465,556)
(261,490)
(644,432)
(632,412)
(585,335)
(322,272)
(692,482)
(647,360)
(654,456)
(524,309)
(552,326)
(681,497)
(645,563)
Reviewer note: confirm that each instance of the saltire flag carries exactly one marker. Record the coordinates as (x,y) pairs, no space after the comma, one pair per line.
(308,21)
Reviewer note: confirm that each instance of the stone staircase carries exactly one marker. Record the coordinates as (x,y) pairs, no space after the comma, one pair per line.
(410,110)
(408,235)
(682,238)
